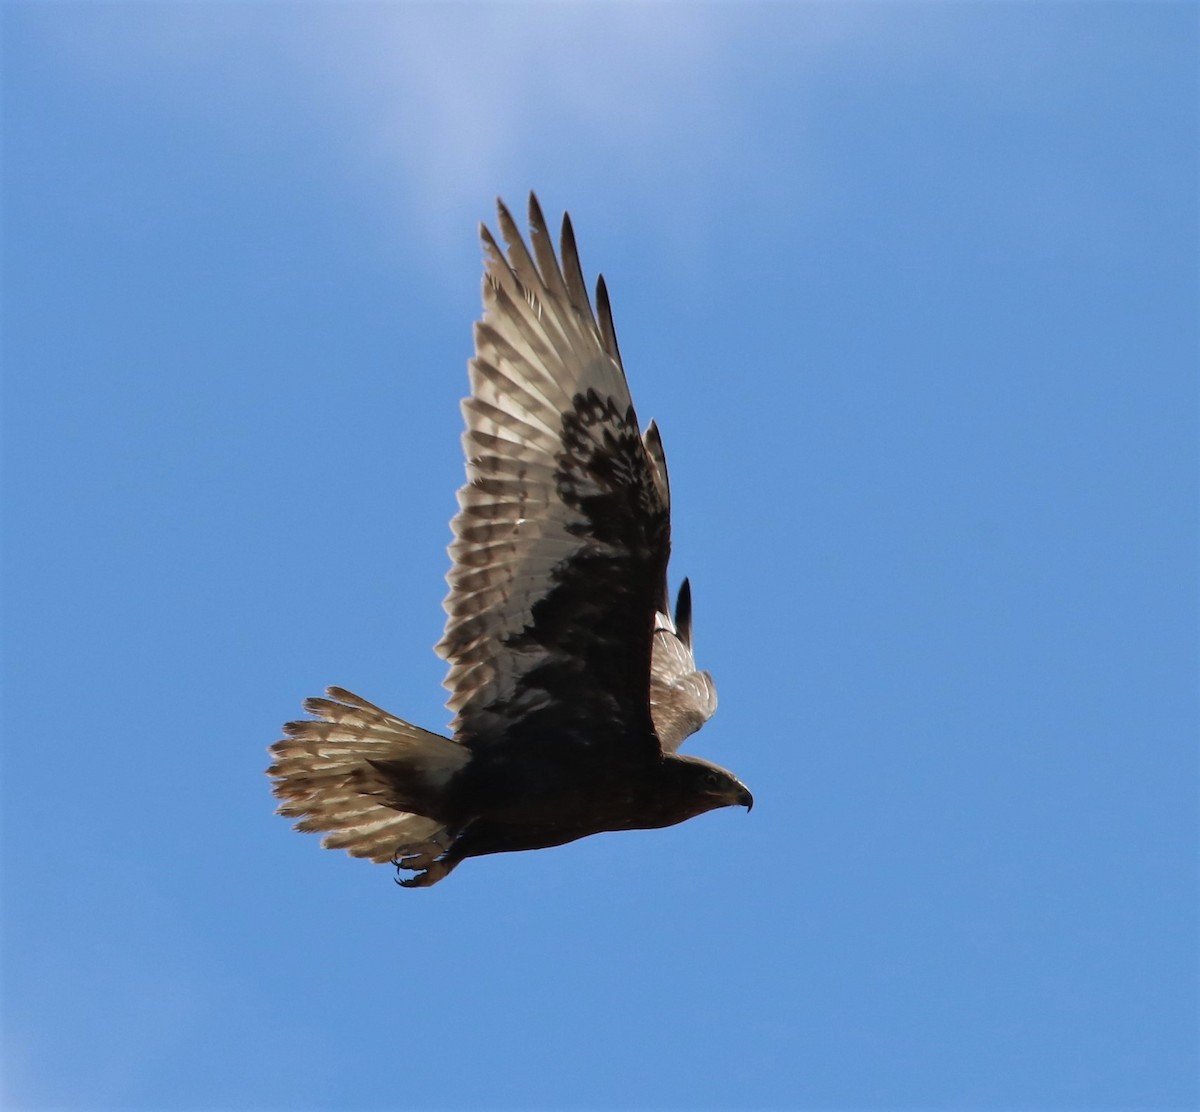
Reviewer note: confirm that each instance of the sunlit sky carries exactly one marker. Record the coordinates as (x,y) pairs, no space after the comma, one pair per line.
(911,291)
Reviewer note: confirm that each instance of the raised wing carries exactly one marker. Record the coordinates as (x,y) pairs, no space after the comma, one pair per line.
(682,698)
(562,536)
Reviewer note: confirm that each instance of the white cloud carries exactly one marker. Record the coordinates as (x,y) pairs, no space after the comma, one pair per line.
(655,118)
(456,104)
(442,107)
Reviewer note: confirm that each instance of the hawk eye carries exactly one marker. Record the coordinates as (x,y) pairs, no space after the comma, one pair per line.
(712,780)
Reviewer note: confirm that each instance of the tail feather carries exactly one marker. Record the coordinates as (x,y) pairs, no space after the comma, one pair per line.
(368,780)
(344,706)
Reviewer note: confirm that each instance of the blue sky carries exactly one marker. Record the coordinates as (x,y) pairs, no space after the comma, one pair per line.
(911,291)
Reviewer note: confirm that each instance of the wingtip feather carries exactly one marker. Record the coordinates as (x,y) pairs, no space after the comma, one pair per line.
(683,613)
(608,331)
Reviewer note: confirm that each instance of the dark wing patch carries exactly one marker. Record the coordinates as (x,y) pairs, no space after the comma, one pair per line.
(562,535)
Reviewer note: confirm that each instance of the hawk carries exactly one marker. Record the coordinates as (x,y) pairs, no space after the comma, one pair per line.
(572,683)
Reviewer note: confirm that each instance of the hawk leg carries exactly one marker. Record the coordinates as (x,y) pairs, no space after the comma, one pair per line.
(429,860)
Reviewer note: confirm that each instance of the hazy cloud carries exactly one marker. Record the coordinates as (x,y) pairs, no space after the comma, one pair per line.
(440,108)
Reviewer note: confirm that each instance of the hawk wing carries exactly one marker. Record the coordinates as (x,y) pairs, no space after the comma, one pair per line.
(562,535)
(682,698)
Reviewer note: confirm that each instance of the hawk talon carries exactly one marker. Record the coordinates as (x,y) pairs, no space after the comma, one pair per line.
(420,855)
(430,876)
(426,859)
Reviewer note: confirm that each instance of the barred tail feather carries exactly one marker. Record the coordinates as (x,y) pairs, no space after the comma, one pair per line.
(368,780)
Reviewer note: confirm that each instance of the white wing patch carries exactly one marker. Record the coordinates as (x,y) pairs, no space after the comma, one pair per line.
(682,698)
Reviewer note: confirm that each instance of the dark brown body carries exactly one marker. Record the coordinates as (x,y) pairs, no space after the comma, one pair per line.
(558,795)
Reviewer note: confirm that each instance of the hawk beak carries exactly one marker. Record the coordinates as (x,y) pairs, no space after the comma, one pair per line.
(745,799)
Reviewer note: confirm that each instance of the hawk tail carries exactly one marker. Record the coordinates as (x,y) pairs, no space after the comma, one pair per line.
(369,781)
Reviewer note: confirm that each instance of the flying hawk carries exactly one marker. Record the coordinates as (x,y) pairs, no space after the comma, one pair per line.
(572,685)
